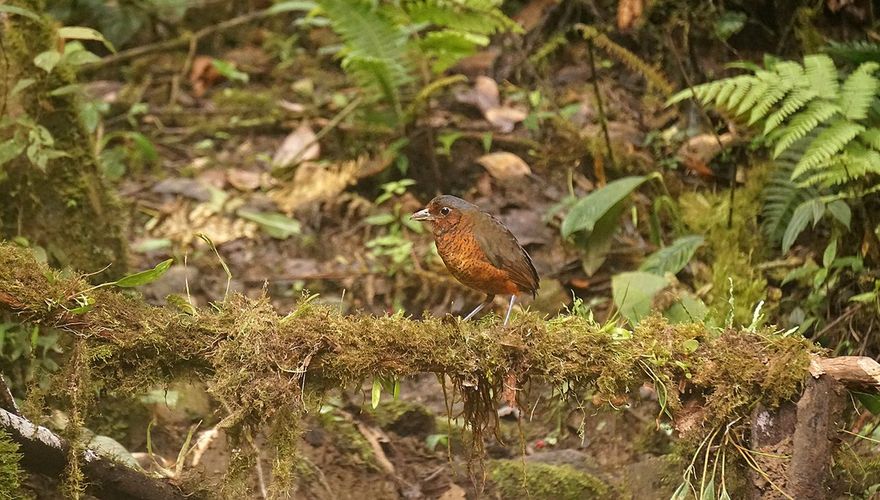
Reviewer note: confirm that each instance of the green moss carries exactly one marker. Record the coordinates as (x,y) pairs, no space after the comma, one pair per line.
(734,249)
(10,471)
(538,481)
(69,209)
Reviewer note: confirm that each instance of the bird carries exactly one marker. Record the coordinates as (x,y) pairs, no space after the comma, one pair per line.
(479,251)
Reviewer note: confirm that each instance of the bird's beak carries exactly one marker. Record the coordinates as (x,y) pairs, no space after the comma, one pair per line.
(422,214)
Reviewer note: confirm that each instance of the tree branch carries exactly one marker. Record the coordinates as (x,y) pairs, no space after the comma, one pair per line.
(46,453)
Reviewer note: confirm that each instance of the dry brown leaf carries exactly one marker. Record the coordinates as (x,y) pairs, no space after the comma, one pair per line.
(505,118)
(243,180)
(314,183)
(503,165)
(699,150)
(203,75)
(455,492)
(300,145)
(628,13)
(533,13)
(181,226)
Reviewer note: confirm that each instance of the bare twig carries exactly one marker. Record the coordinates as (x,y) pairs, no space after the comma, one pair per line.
(601,108)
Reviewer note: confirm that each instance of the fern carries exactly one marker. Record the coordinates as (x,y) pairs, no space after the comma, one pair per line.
(781,196)
(822,128)
(635,63)
(384,41)
(856,52)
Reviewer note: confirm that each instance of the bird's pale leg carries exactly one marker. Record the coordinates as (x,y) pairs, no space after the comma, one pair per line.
(489,299)
(509,308)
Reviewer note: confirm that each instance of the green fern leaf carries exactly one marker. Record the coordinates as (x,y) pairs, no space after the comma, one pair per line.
(871,137)
(792,103)
(375,47)
(483,17)
(859,91)
(829,142)
(816,113)
(743,85)
(780,197)
(777,88)
(448,46)
(855,52)
(821,75)
(759,87)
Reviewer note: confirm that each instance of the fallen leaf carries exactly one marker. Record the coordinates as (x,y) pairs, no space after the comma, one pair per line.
(505,118)
(699,150)
(299,146)
(455,492)
(534,13)
(503,165)
(313,183)
(628,13)
(243,180)
(203,75)
(189,188)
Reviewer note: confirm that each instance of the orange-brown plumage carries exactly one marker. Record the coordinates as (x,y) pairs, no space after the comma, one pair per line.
(478,250)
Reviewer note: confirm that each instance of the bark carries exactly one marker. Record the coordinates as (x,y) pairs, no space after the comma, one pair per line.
(796,443)
(44,452)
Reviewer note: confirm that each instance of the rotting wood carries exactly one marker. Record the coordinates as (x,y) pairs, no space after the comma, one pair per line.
(794,443)
(46,453)
(854,372)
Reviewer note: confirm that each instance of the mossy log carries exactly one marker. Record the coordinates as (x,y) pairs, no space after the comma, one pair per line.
(263,366)
(68,208)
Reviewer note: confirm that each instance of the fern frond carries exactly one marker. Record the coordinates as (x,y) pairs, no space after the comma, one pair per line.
(856,52)
(780,197)
(817,112)
(828,143)
(821,75)
(482,17)
(858,91)
(448,46)
(777,88)
(375,47)
(793,102)
(871,137)
(743,83)
(635,63)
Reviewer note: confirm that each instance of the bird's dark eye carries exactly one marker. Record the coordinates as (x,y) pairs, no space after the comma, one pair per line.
(444,211)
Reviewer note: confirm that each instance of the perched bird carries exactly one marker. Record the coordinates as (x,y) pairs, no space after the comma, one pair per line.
(479,251)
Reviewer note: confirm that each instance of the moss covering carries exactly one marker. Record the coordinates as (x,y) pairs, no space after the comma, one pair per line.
(707,213)
(538,481)
(10,472)
(68,209)
(256,362)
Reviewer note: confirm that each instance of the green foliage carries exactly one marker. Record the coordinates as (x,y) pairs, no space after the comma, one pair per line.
(385,43)
(635,63)
(10,471)
(673,258)
(807,102)
(593,220)
(516,479)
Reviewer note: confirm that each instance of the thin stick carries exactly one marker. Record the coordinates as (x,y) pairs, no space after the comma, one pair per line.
(602,119)
(332,124)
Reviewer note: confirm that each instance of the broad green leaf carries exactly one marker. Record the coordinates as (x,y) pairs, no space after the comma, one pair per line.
(688,309)
(47,60)
(144,277)
(869,401)
(864,297)
(673,258)
(587,212)
(432,440)
(275,224)
(11,9)
(380,219)
(830,254)
(21,84)
(376,393)
(597,243)
(840,211)
(634,292)
(83,33)
(10,149)
(803,214)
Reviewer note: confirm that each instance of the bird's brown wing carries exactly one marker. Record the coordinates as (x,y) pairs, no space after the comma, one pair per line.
(504,252)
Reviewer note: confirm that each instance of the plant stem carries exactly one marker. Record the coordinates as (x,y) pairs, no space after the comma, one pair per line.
(602,119)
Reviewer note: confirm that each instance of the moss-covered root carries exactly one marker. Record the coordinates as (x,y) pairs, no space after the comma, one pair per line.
(10,471)
(515,479)
(68,208)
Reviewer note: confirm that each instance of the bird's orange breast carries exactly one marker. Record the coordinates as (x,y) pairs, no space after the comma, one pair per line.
(468,264)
